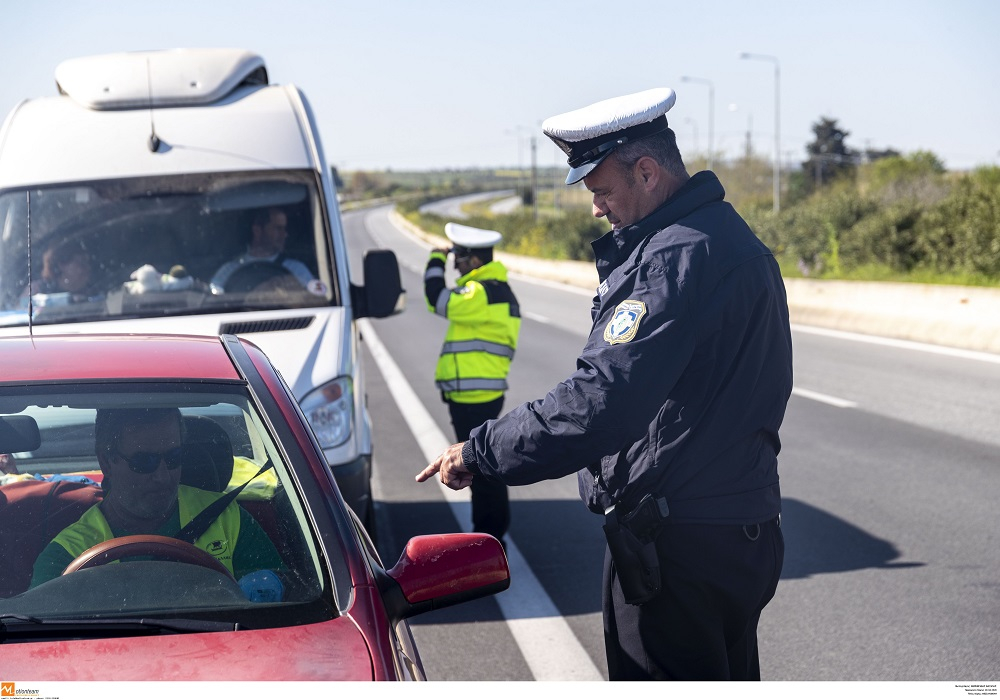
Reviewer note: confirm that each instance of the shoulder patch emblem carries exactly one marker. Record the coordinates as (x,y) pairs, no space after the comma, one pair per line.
(625,323)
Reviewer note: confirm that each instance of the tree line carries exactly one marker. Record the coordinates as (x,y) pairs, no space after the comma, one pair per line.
(846,214)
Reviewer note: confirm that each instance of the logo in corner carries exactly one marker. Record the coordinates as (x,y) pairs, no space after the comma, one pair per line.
(218,547)
(6,690)
(625,323)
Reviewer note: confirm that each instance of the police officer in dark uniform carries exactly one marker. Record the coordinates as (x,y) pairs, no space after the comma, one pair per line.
(671,417)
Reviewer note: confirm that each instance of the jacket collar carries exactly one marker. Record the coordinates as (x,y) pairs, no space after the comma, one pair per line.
(615,247)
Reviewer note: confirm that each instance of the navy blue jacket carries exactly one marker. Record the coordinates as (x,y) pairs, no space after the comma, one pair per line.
(683,383)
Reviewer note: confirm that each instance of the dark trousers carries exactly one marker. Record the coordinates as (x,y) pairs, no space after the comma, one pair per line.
(703,624)
(490,502)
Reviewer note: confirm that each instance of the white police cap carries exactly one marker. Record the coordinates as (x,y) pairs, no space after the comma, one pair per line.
(587,136)
(470,237)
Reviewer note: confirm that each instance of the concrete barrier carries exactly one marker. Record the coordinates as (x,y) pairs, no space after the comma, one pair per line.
(953,316)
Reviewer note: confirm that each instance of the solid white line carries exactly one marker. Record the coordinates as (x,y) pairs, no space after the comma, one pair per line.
(823,398)
(551,650)
(535,317)
(896,343)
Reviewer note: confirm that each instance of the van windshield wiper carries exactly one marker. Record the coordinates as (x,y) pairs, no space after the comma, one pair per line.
(18,627)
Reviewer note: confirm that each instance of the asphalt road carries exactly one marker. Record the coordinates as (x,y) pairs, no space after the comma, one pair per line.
(890,471)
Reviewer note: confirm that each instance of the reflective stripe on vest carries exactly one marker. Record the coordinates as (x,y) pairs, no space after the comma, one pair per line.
(471,384)
(478,346)
(441,305)
(219,539)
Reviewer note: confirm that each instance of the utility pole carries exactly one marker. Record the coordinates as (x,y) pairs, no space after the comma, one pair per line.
(534,179)
(711,115)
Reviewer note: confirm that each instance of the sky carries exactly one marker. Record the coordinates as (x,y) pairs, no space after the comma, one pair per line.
(441,84)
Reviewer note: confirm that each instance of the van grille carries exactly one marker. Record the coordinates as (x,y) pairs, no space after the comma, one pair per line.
(266,325)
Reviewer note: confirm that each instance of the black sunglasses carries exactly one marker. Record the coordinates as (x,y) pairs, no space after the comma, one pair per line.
(149,462)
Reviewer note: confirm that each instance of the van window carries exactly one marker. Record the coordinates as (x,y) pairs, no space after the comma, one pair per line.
(163,246)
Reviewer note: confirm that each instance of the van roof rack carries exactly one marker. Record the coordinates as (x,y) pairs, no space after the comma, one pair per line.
(168,78)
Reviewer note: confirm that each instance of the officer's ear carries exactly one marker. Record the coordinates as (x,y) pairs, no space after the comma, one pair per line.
(648,173)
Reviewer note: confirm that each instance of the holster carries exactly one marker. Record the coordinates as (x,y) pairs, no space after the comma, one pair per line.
(632,543)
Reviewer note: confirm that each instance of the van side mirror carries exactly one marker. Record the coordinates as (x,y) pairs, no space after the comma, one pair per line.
(382,294)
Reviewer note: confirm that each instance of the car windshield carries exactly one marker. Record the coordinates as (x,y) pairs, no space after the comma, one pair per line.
(129,468)
(163,246)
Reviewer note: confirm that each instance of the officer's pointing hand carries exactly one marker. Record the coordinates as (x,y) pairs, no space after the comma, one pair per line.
(450,466)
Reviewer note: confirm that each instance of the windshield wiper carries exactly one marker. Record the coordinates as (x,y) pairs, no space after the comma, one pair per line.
(17,627)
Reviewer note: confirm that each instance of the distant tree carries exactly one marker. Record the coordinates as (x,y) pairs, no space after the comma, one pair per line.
(338,182)
(829,156)
(368,184)
(871,155)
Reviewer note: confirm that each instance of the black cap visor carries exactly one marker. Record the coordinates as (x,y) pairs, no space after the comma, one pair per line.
(586,155)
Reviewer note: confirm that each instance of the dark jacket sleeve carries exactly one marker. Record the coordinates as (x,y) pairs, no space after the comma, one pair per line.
(611,399)
(434,282)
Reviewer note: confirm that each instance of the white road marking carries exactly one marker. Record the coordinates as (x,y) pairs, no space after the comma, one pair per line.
(823,398)
(896,343)
(535,317)
(551,650)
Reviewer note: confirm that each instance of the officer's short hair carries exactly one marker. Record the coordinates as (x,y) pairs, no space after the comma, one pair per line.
(661,147)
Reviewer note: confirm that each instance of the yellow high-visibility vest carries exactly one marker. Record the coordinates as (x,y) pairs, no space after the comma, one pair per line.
(219,539)
(485,320)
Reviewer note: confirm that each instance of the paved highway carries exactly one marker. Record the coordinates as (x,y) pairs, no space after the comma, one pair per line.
(890,479)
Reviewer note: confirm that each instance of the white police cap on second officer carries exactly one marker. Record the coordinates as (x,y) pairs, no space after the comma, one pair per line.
(587,136)
(470,237)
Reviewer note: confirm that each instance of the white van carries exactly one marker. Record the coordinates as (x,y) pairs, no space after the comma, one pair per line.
(178,191)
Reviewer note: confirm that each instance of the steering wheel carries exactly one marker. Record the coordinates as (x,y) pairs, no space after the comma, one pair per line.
(156,546)
(252,275)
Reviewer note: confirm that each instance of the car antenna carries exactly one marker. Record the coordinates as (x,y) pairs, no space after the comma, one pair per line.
(154,140)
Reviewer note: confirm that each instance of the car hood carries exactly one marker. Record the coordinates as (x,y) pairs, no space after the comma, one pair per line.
(326,651)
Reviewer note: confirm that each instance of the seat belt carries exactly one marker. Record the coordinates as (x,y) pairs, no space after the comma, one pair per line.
(200,523)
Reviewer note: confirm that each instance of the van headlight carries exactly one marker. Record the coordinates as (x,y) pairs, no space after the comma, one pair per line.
(330,411)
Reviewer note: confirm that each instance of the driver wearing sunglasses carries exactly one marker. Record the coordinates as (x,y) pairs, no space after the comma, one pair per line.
(140,453)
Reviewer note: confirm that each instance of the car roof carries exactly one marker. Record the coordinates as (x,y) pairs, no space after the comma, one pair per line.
(115,357)
(144,79)
(228,126)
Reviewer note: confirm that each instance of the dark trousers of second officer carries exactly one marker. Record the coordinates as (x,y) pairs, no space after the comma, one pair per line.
(490,501)
(703,624)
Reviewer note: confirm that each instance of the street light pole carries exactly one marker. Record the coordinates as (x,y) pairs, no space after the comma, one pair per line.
(711,115)
(777,124)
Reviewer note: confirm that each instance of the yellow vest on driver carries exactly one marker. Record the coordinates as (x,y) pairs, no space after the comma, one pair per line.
(219,539)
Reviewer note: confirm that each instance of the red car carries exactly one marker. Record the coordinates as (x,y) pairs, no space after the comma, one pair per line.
(221,551)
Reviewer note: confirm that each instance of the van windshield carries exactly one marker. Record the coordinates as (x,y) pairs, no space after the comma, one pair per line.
(163,246)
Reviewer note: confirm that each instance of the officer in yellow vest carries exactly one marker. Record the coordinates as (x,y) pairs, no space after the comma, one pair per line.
(484,321)
(140,454)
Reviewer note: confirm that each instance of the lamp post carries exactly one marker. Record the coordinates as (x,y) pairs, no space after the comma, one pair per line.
(516,132)
(777,124)
(694,127)
(711,115)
